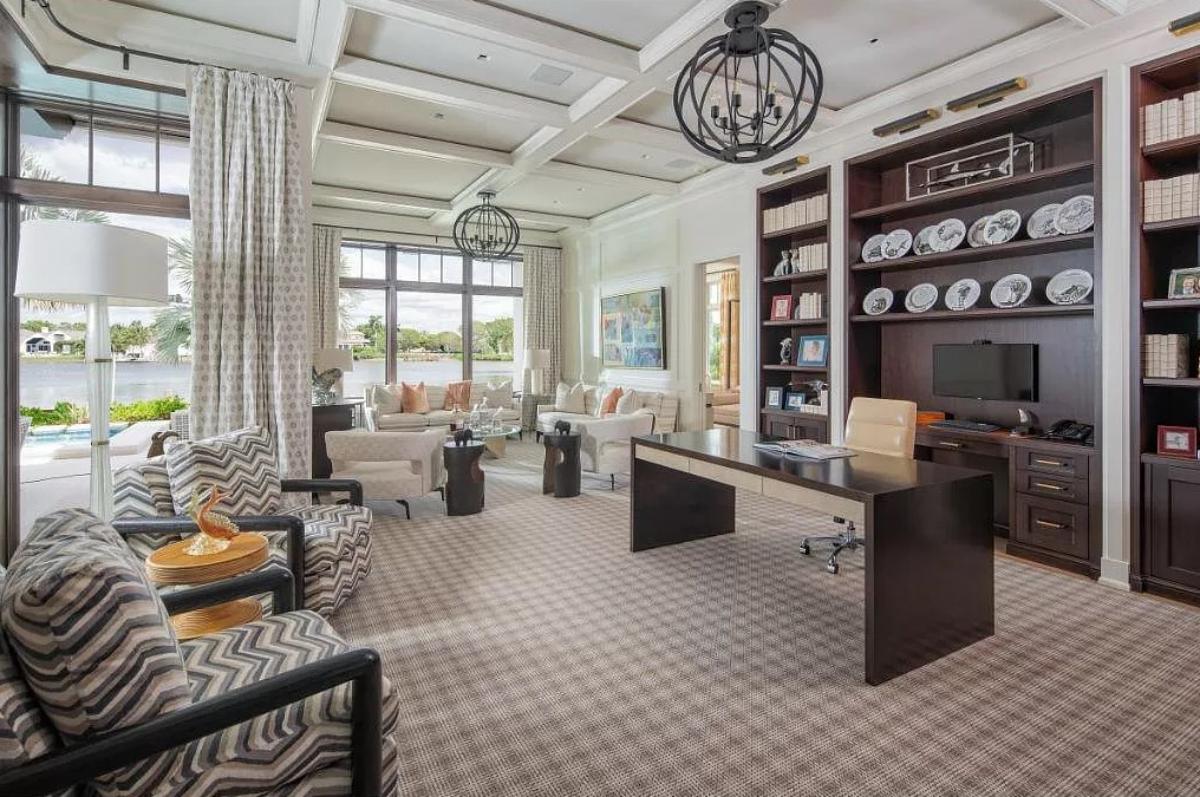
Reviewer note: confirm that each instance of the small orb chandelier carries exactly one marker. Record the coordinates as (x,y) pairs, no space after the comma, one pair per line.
(728,99)
(486,231)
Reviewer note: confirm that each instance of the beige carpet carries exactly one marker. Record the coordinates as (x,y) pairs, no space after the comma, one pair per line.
(535,655)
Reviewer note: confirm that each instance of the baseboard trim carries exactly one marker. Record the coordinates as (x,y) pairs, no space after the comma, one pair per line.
(1114,573)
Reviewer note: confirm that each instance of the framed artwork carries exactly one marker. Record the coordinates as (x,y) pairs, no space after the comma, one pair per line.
(1184,284)
(1177,441)
(781,307)
(796,399)
(775,397)
(813,351)
(633,330)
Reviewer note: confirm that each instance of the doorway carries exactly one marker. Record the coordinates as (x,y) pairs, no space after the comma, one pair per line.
(721,344)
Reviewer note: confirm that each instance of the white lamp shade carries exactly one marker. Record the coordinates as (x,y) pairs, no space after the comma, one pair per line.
(342,359)
(77,261)
(537,358)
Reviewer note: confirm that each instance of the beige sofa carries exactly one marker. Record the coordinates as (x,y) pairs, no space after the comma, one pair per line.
(383,414)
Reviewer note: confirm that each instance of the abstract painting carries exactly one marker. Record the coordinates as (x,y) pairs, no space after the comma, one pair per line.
(633,329)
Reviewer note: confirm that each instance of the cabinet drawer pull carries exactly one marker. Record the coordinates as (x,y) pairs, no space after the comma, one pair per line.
(1056,487)
(1051,462)
(1046,524)
(950,445)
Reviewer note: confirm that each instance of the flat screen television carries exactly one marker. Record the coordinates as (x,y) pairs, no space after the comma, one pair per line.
(994,371)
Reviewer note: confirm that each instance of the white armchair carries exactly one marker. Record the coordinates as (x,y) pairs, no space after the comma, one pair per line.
(390,466)
(604,446)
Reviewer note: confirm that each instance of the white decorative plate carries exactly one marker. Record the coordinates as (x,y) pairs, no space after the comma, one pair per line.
(975,233)
(897,244)
(1069,287)
(1002,227)
(872,251)
(1011,291)
(1041,223)
(921,242)
(948,235)
(963,294)
(1076,215)
(878,301)
(921,297)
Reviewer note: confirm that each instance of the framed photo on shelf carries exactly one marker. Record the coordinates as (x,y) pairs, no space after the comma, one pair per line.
(775,398)
(1177,441)
(1184,284)
(781,307)
(813,351)
(796,399)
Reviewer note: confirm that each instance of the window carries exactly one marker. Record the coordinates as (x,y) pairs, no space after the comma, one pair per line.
(364,262)
(429,337)
(496,323)
(363,330)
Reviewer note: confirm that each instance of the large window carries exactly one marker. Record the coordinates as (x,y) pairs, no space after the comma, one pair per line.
(449,318)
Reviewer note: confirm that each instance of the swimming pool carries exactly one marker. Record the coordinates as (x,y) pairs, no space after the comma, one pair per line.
(47,437)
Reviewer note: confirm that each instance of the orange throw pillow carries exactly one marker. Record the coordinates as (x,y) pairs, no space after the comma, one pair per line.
(413,398)
(609,405)
(458,395)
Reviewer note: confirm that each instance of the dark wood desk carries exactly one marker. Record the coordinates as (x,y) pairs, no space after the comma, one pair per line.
(928,527)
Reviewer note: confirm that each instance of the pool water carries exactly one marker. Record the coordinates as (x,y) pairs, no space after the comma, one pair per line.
(52,436)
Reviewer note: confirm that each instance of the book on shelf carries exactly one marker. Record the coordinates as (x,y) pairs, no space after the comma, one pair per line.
(796,214)
(1171,119)
(808,449)
(1165,356)
(1172,198)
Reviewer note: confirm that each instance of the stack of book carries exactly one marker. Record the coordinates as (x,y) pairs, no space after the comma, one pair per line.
(812,257)
(1174,198)
(1165,356)
(1171,119)
(809,305)
(796,214)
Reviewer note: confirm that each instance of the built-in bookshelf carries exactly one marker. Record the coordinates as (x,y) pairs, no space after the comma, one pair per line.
(794,230)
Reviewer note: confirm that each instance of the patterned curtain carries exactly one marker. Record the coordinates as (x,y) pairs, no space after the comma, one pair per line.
(250,360)
(543,311)
(326,268)
(730,362)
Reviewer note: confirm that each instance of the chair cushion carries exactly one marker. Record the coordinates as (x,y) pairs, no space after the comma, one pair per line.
(143,490)
(25,733)
(401,420)
(413,398)
(570,398)
(546,420)
(608,402)
(629,402)
(337,552)
(385,481)
(458,396)
(89,629)
(386,399)
(241,464)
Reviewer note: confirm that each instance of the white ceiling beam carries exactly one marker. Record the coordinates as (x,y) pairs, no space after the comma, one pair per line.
(1087,12)
(526,34)
(330,29)
(397,228)
(307,12)
(587,174)
(375,199)
(370,138)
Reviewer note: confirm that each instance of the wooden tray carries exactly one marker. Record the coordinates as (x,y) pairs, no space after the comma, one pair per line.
(172,565)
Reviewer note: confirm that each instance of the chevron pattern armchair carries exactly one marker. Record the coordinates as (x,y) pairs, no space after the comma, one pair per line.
(97,692)
(335,538)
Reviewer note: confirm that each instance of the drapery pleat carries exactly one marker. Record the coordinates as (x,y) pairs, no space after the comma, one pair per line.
(543,308)
(251,329)
(730,361)
(326,269)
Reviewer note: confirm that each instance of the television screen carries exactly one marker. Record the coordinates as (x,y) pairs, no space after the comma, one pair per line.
(996,371)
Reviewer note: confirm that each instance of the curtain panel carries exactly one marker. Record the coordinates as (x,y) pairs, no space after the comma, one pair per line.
(730,362)
(543,309)
(326,269)
(251,303)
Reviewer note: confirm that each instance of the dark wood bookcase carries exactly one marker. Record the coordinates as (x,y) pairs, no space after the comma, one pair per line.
(1165,555)
(1050,512)
(783,423)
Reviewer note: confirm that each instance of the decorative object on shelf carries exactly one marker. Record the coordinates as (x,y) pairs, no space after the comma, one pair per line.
(1172,198)
(1184,284)
(948,235)
(785,351)
(921,297)
(1172,119)
(921,241)
(781,307)
(325,361)
(1041,222)
(799,213)
(749,94)
(486,231)
(809,307)
(813,351)
(963,294)
(872,251)
(878,301)
(633,330)
(785,264)
(989,96)
(1177,441)
(796,399)
(216,530)
(323,384)
(897,243)
(1011,291)
(811,257)
(562,427)
(907,124)
(463,436)
(1165,356)
(1071,286)
(775,397)
(974,164)
(1076,215)
(975,234)
(1002,227)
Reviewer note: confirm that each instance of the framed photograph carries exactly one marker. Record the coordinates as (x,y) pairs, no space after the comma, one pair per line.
(1184,284)
(796,399)
(775,398)
(781,307)
(633,330)
(813,351)
(1177,441)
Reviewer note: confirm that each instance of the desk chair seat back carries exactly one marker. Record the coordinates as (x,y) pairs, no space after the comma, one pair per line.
(882,426)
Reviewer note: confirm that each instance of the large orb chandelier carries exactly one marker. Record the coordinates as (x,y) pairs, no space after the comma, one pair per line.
(486,231)
(728,98)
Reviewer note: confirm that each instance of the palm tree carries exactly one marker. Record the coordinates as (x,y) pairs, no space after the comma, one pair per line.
(172,327)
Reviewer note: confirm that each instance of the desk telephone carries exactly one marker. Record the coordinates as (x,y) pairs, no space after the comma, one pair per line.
(1071,432)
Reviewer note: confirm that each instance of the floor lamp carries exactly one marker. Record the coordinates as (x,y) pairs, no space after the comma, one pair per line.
(78,262)
(536,362)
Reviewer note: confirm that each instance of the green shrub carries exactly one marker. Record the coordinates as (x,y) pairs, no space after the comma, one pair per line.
(64,412)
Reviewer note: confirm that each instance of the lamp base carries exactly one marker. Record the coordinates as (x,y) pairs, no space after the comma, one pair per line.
(100,388)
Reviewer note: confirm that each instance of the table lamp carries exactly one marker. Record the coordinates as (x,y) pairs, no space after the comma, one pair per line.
(536,362)
(78,262)
(325,360)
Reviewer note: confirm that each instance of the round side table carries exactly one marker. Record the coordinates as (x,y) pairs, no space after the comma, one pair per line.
(464,478)
(560,469)
(171,564)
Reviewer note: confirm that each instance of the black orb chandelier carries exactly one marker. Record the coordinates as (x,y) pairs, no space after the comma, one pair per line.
(728,99)
(486,231)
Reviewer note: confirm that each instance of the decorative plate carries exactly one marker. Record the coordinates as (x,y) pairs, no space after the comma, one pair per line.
(948,235)
(1069,287)
(963,294)
(1076,215)
(1041,223)
(1002,227)
(897,244)
(921,244)
(975,234)
(1011,291)
(921,297)
(872,251)
(878,301)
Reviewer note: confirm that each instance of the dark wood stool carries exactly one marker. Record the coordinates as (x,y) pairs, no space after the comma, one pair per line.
(560,470)
(464,478)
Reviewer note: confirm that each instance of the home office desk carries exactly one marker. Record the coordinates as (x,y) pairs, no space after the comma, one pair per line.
(928,527)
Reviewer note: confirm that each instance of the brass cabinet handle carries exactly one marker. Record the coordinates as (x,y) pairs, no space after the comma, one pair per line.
(949,445)
(1046,524)
(1053,462)
(1056,487)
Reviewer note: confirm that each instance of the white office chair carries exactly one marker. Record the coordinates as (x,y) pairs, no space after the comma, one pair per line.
(877,426)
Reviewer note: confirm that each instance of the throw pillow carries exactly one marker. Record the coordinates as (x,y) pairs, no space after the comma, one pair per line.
(386,401)
(609,404)
(569,398)
(458,396)
(240,464)
(499,394)
(628,403)
(413,398)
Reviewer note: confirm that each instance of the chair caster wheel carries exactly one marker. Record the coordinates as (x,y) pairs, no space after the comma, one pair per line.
(832,567)
(804,549)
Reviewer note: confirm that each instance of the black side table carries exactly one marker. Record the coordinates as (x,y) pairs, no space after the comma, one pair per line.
(464,478)
(560,470)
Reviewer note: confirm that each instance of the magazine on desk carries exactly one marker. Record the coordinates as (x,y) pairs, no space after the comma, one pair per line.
(809,449)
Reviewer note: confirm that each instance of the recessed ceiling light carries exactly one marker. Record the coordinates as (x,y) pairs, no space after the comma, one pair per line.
(645,157)
(483,57)
(579,189)
(875,40)
(439,115)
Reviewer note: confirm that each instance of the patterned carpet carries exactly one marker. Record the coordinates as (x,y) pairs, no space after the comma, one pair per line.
(535,655)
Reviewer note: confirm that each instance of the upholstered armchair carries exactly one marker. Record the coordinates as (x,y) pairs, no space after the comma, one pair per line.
(390,466)
(335,540)
(97,692)
(604,447)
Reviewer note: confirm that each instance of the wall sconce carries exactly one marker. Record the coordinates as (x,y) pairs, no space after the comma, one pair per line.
(908,123)
(787,166)
(989,96)
(1185,25)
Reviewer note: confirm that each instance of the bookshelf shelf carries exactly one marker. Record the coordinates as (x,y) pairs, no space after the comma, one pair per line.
(984,254)
(804,276)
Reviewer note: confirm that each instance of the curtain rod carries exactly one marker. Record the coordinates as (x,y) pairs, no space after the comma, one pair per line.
(420,235)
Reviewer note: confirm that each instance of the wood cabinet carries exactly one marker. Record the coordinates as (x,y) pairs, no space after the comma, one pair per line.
(1172,498)
(795,426)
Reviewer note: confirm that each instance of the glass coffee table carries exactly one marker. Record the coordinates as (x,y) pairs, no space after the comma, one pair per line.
(495,439)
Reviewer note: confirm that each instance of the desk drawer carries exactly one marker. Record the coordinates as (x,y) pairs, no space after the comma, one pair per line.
(962,445)
(1064,489)
(1053,525)
(1073,465)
